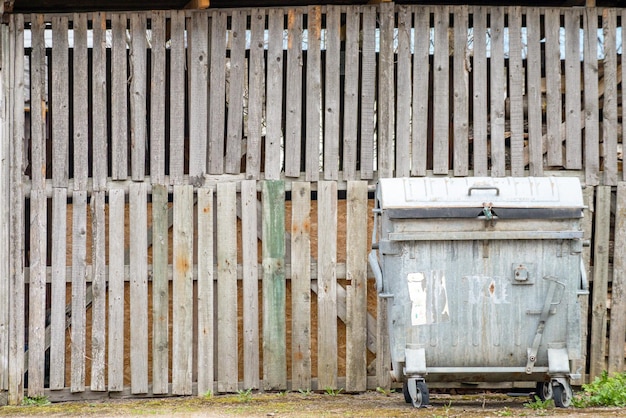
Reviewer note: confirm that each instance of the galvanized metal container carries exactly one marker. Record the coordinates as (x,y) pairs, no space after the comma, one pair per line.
(482,277)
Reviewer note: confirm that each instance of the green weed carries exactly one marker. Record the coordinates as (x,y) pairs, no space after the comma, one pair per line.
(332,392)
(35,401)
(605,390)
(244,395)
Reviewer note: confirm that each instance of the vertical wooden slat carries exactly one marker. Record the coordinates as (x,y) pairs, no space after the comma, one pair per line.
(461,93)
(255,96)
(227,367)
(119,96)
(5,158)
(421,69)
(590,80)
(79,273)
(99,103)
(617,322)
(351,94)
(403,104)
(332,93)
(217,92)
(498,91)
(206,328)
(160,290)
(293,127)
(274,286)
(573,137)
(138,67)
(98,288)
(385,103)
(533,86)
(232,162)
(60,102)
(301,285)
(609,108)
(313,93)
(249,241)
(198,93)
(516,91)
(383,351)
(441,99)
(157,98)
(368,92)
(356,274)
(182,301)
(327,284)
(115,336)
(80,109)
(274,101)
(553,87)
(479,109)
(601,238)
(177,93)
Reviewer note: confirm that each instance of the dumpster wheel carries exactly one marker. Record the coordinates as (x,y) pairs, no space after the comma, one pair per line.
(419,398)
(562,394)
(544,391)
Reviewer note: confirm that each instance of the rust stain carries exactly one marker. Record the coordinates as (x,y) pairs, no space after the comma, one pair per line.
(182,263)
(307,226)
(206,209)
(298,355)
(492,288)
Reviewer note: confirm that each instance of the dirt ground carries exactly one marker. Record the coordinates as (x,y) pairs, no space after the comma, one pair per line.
(298,404)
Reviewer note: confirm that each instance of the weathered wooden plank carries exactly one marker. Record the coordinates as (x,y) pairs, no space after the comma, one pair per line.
(609,107)
(421,69)
(255,96)
(227,367)
(356,274)
(617,322)
(403,104)
(5,158)
(332,93)
(386,98)
(368,92)
(351,94)
(274,101)
(57,290)
(119,97)
(383,350)
(60,102)
(99,103)
(157,98)
(553,87)
(516,91)
(597,361)
(590,80)
(573,137)
(138,67)
(251,355)
(198,93)
(236,80)
(327,284)
(461,93)
(160,289)
(479,72)
(274,286)
(533,86)
(313,111)
(293,124)
(80,103)
(301,285)
(79,275)
(217,92)
(182,301)
(115,335)
(177,93)
(206,326)
(38,103)
(498,90)
(98,290)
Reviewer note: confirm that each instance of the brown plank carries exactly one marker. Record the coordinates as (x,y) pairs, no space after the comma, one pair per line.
(516,91)
(177,95)
(138,71)
(368,92)
(217,92)
(498,90)
(535,147)
(293,124)
(479,72)
(99,102)
(313,93)
(79,276)
(385,104)
(460,105)
(98,289)
(617,322)
(157,98)
(274,100)
(351,94)
(60,102)
(236,80)
(421,69)
(255,95)
(332,93)
(573,137)
(198,93)
(403,103)
(609,107)
(590,80)
(119,97)
(553,87)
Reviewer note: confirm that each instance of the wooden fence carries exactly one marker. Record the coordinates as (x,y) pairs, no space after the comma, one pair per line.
(133,180)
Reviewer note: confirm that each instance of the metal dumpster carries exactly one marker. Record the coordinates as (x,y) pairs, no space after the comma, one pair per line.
(481,277)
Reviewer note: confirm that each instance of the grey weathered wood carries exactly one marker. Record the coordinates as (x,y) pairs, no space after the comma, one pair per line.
(383,353)
(356,275)
(79,273)
(327,284)
(227,332)
(255,95)
(274,100)
(250,272)
(236,80)
(115,335)
(573,137)
(590,80)
(535,148)
(38,103)
(597,353)
(99,103)
(198,93)
(553,87)
(332,93)
(368,91)
(157,98)
(609,107)
(313,93)
(182,301)
(5,158)
(217,92)
(516,91)
(119,96)
(293,123)
(386,98)
(460,105)
(60,102)
(498,89)
(403,103)
(421,69)
(274,286)
(98,289)
(206,324)
(138,70)
(351,94)
(80,103)
(177,94)
(617,326)
(160,290)
(479,73)
(301,285)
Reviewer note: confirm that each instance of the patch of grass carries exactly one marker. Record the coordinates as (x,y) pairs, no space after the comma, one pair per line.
(208,394)
(605,390)
(305,392)
(332,392)
(539,405)
(504,412)
(35,401)
(386,392)
(244,396)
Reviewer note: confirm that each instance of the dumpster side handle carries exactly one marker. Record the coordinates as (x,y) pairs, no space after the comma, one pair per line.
(378,274)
